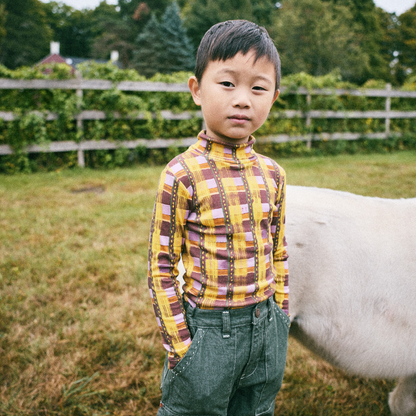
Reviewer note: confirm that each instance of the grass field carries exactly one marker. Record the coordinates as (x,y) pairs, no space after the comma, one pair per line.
(77,331)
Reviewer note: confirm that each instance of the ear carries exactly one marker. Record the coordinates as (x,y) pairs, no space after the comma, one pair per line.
(194,88)
(276,94)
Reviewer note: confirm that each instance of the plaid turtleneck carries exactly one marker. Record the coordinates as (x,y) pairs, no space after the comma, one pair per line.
(222,208)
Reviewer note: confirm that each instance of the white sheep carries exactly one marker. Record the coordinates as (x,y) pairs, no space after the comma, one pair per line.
(352,265)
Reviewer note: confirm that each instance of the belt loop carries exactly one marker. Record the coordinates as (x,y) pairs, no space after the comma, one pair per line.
(226,325)
(270,307)
(189,310)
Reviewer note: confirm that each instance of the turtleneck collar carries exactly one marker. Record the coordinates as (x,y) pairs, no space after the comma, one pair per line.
(222,150)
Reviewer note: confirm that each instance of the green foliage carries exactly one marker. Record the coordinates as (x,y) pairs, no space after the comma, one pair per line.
(332,79)
(29,128)
(368,33)
(179,52)
(410,83)
(117,28)
(27,33)
(263,12)
(3,31)
(337,147)
(73,29)
(149,49)
(388,43)
(200,15)
(407,41)
(130,9)
(163,47)
(316,37)
(112,32)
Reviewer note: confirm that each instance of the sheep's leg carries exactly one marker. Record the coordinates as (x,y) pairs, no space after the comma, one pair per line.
(402,398)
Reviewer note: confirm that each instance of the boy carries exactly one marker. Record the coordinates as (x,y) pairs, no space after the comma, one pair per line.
(221,206)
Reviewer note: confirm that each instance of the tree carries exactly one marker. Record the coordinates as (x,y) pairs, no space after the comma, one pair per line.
(406,41)
(389,45)
(129,8)
(147,56)
(178,53)
(111,33)
(318,38)
(200,15)
(3,31)
(368,32)
(27,33)
(163,47)
(73,29)
(264,12)
(119,27)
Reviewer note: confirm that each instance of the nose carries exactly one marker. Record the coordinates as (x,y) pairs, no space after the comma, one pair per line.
(241,98)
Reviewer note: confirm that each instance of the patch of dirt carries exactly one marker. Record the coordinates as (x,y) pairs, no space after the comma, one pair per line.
(98,189)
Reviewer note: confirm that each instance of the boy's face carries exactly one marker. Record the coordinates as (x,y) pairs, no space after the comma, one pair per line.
(235,96)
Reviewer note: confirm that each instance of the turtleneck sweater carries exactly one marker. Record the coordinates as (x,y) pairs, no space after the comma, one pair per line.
(220,207)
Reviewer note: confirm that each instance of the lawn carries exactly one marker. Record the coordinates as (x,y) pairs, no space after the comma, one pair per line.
(77,331)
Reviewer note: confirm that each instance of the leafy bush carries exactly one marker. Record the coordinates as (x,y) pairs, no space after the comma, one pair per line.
(30,128)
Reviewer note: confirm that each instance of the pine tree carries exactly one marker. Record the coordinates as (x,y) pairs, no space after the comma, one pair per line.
(178,53)
(147,57)
(163,47)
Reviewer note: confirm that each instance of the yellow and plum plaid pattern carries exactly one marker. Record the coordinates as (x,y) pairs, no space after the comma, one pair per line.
(222,208)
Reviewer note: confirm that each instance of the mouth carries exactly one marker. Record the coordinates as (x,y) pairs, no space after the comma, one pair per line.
(239,118)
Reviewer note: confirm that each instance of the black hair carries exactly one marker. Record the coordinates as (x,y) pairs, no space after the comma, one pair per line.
(226,39)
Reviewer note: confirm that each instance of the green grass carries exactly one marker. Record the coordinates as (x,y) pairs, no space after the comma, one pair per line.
(391,175)
(77,331)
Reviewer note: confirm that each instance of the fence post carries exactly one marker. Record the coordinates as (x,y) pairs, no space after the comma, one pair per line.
(308,119)
(388,108)
(80,125)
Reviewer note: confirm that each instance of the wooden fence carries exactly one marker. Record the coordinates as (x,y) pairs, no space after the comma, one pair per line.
(80,85)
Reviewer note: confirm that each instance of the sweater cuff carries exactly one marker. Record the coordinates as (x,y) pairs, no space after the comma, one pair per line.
(175,358)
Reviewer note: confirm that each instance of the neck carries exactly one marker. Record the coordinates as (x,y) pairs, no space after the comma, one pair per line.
(220,149)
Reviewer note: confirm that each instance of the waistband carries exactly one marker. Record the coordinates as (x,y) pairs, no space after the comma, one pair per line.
(250,315)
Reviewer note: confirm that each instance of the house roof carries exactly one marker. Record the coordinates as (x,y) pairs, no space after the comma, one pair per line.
(55,58)
(74,62)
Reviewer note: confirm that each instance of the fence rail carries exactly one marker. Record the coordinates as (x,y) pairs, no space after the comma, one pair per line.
(143,86)
(80,85)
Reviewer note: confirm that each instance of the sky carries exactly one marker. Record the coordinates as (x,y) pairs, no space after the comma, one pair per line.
(397,6)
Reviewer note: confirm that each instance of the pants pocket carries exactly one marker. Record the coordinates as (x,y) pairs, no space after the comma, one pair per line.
(277,334)
(190,355)
(281,314)
(201,382)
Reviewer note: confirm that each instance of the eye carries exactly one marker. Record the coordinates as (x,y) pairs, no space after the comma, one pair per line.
(227,84)
(258,88)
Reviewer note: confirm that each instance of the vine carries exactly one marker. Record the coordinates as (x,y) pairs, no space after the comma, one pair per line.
(30,126)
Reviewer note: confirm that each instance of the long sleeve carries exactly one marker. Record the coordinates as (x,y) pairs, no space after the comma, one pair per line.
(280,254)
(221,207)
(166,237)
